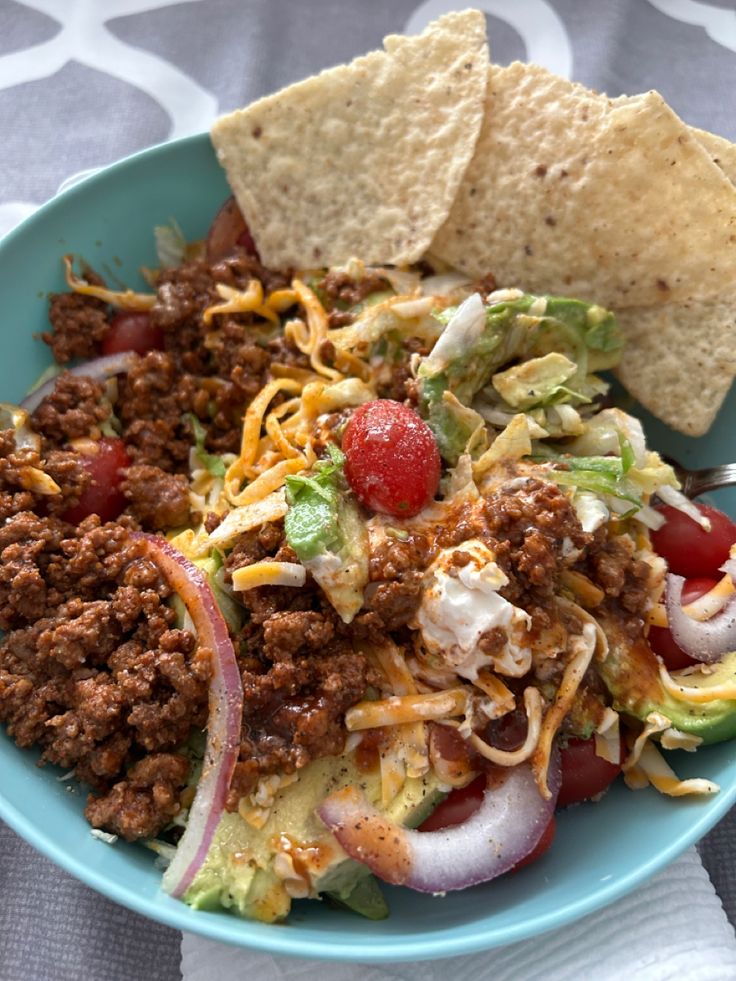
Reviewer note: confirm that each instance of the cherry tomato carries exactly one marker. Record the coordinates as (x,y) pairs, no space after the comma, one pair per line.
(102,495)
(228,230)
(391,458)
(457,807)
(661,640)
(542,846)
(584,773)
(688,549)
(132,332)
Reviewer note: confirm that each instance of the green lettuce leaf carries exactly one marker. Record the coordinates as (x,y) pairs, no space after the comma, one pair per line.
(479,341)
(210,461)
(312,522)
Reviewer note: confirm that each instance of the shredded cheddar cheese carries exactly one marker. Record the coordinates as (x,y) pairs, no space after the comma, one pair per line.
(407,708)
(267,573)
(695,693)
(121,299)
(533,703)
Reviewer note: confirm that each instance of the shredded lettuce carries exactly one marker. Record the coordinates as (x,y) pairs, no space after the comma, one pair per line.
(170,244)
(326,530)
(210,461)
(312,521)
(564,340)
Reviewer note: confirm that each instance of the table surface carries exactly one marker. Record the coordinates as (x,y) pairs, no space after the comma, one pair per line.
(84,83)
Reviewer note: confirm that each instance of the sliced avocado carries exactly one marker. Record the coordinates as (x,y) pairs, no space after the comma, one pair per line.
(363,897)
(239,872)
(631,674)
(230,609)
(585,715)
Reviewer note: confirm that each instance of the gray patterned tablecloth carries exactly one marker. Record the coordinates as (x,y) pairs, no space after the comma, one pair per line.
(83,83)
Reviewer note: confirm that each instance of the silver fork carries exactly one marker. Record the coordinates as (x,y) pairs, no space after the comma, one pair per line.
(697,482)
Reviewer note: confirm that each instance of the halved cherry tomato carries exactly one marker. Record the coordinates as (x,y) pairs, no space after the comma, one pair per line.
(457,807)
(542,846)
(102,495)
(661,640)
(228,230)
(584,773)
(391,458)
(688,549)
(132,332)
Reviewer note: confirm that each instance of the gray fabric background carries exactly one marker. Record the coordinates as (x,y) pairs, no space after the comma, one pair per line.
(80,117)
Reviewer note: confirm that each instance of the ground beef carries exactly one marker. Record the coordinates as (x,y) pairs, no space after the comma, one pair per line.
(158,500)
(396,381)
(396,572)
(242,366)
(17,480)
(613,566)
(75,408)
(68,470)
(182,295)
(149,797)
(532,529)
(485,286)
(154,400)
(79,325)
(91,668)
(339,287)
(300,670)
(339,290)
(238,269)
(294,713)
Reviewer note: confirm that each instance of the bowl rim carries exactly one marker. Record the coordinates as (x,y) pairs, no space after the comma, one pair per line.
(226,928)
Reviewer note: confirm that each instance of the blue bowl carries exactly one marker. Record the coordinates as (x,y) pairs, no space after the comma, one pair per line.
(602,850)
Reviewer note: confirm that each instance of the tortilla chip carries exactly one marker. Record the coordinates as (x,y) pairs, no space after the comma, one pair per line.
(569,192)
(679,359)
(364,159)
(721,151)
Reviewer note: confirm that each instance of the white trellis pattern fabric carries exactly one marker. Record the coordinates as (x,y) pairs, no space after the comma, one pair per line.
(84,82)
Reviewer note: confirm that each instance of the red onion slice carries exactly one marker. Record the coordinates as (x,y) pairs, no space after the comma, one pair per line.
(225,712)
(503,831)
(99,368)
(703,640)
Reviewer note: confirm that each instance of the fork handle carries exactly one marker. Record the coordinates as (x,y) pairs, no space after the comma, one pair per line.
(699,482)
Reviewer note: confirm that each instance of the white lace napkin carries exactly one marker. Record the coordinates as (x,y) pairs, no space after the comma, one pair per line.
(672,929)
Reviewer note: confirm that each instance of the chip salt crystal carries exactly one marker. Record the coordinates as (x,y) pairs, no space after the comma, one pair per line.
(384,140)
(461,603)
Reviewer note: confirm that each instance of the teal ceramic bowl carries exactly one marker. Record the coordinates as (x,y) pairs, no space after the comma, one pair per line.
(602,851)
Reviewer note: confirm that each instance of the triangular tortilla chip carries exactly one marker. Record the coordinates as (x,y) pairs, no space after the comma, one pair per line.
(721,151)
(364,159)
(679,359)
(571,193)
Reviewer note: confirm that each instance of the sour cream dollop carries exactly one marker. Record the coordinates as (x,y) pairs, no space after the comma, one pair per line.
(461,603)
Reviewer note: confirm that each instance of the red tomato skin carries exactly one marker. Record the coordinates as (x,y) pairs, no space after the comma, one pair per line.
(584,774)
(391,458)
(542,846)
(132,332)
(689,550)
(247,242)
(457,807)
(103,495)
(661,640)
(228,232)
